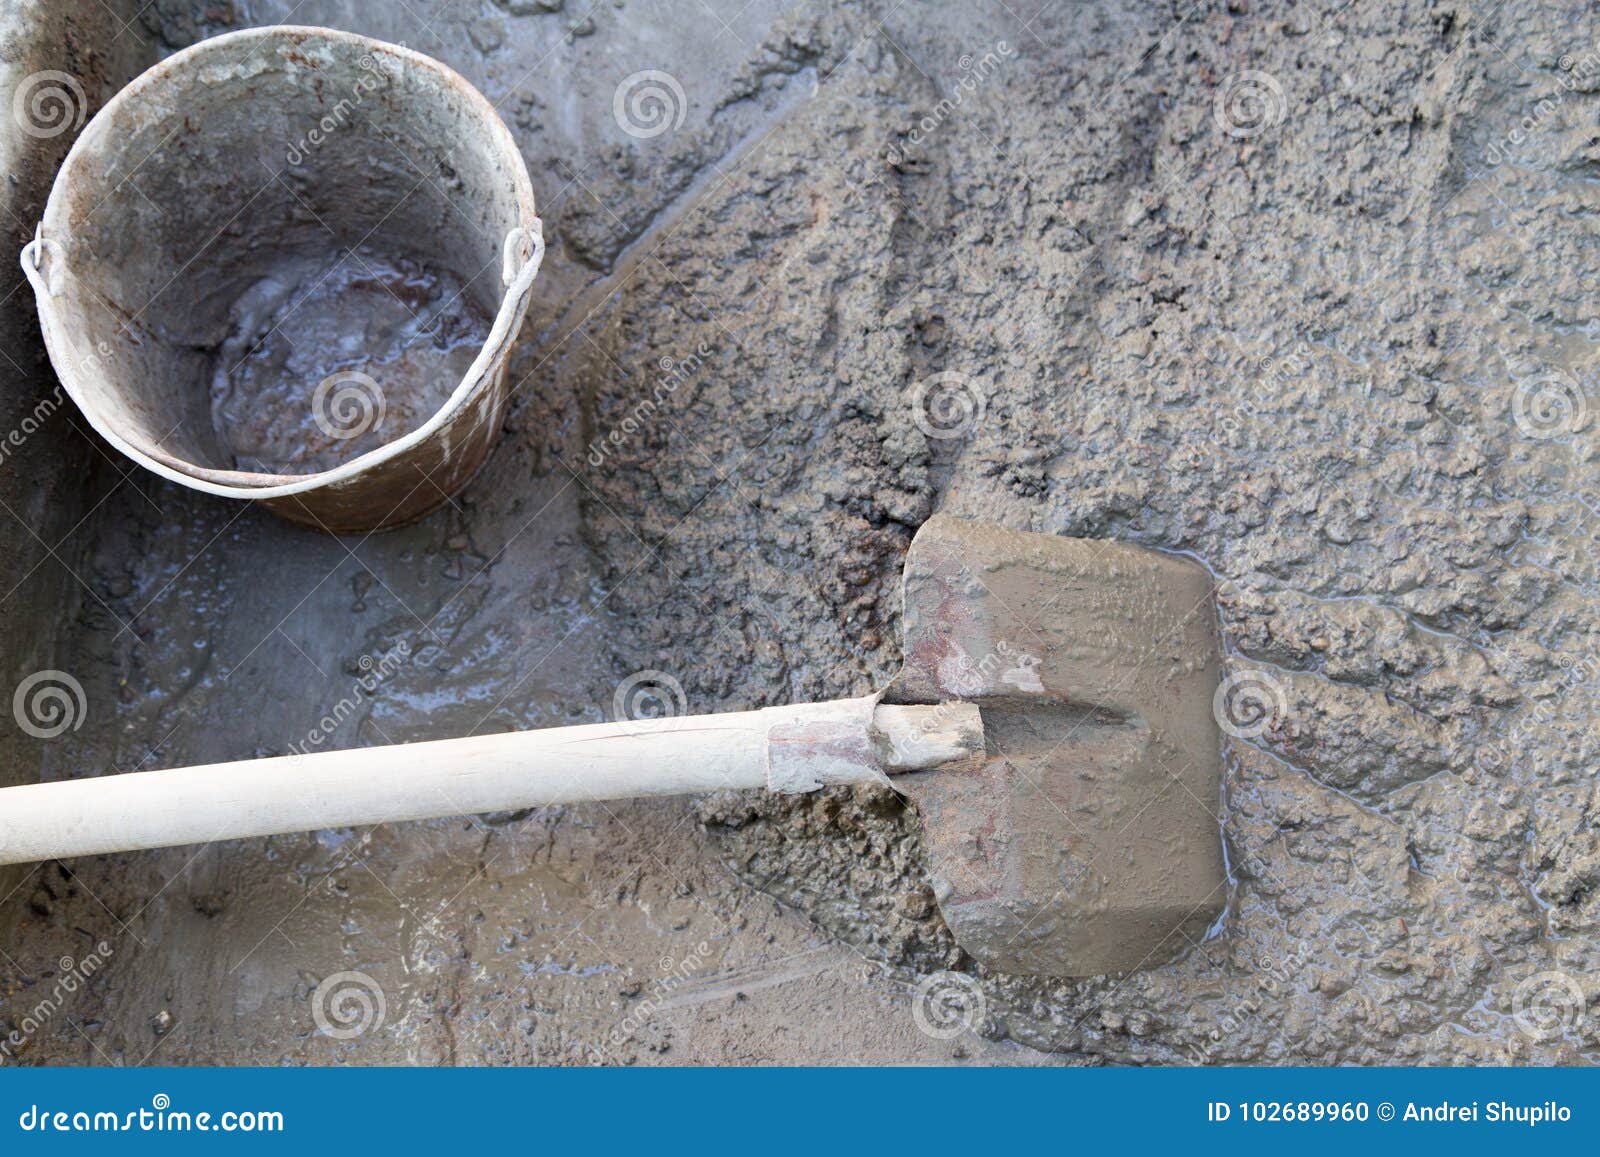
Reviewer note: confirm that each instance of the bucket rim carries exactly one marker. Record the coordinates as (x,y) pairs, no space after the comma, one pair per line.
(254,485)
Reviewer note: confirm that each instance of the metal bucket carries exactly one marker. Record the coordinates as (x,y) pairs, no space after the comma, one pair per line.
(288,265)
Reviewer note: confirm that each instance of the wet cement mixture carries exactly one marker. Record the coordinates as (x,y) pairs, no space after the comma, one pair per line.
(1303,291)
(378,346)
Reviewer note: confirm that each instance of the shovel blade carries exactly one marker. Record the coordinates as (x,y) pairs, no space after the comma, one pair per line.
(1087,841)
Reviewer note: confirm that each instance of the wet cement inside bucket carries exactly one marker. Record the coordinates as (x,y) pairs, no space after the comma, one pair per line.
(329,358)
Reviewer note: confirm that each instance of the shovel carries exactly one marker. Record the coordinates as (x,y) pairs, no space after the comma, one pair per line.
(1052,723)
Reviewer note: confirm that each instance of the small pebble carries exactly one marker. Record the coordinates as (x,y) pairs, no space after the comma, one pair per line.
(487,34)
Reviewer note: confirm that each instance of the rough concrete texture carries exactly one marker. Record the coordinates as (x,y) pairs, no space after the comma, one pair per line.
(1301,290)
(58,64)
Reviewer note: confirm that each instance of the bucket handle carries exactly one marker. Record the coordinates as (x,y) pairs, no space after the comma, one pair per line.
(518,281)
(49,285)
(44,284)
(514,242)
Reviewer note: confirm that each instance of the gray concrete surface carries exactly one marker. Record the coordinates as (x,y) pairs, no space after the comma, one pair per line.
(1301,291)
(58,63)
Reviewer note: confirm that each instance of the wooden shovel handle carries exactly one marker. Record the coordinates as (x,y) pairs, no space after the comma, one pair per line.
(787,748)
